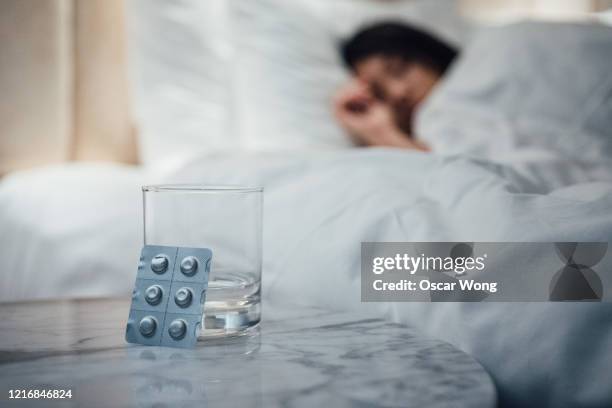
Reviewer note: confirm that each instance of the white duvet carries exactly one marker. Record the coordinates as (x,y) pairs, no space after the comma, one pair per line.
(317,211)
(75,230)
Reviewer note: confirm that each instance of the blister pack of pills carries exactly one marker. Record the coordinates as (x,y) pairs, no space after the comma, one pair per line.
(169,295)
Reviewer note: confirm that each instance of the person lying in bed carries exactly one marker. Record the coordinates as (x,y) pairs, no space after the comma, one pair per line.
(394,67)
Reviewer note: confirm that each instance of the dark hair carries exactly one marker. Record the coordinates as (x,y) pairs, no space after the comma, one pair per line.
(398,40)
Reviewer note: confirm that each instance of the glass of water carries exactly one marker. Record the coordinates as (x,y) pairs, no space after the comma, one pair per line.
(227,220)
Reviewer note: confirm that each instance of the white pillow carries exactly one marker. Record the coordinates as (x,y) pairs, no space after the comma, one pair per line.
(529,90)
(180,52)
(288,65)
(193,97)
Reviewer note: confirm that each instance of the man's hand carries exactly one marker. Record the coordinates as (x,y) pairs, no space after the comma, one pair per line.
(369,121)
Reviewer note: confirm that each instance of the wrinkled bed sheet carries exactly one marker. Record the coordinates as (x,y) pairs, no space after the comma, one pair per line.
(77,232)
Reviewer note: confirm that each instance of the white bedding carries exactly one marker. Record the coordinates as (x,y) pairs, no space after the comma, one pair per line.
(75,231)
(221,75)
(69,238)
(69,230)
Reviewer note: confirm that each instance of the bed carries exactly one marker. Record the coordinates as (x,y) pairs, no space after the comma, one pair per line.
(522,152)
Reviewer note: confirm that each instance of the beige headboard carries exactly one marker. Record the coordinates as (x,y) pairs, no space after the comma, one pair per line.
(64,83)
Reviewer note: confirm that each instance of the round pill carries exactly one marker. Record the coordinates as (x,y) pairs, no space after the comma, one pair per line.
(189,265)
(183,297)
(159,263)
(153,294)
(177,329)
(147,326)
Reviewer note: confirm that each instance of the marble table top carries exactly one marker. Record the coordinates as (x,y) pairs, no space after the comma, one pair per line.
(299,357)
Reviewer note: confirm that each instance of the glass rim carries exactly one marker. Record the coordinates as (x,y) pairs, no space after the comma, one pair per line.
(200,188)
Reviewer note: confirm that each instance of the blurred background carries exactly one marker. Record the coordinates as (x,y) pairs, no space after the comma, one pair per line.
(81,80)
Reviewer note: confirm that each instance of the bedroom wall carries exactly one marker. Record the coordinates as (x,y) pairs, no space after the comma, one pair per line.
(506,10)
(35,82)
(102,118)
(63,83)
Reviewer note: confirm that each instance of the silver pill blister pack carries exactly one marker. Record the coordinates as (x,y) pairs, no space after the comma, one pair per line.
(168,296)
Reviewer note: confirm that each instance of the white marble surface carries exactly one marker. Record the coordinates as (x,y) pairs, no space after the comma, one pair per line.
(297,358)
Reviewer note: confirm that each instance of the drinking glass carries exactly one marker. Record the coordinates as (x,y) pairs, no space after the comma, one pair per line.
(227,220)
